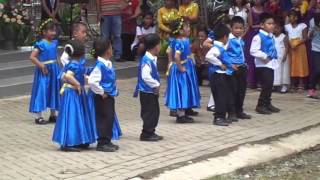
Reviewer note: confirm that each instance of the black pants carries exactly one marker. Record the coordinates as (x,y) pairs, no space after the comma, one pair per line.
(150,112)
(239,87)
(200,73)
(265,76)
(222,94)
(315,76)
(127,40)
(105,110)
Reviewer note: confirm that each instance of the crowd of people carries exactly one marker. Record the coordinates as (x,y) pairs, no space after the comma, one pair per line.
(262,44)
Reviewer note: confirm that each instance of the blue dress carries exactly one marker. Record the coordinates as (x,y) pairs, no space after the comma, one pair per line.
(116,130)
(182,90)
(74,125)
(45,89)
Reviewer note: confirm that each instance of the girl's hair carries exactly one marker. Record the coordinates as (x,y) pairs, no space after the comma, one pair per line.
(202,28)
(297,14)
(176,26)
(75,49)
(100,46)
(46,25)
(234,3)
(148,13)
(278,20)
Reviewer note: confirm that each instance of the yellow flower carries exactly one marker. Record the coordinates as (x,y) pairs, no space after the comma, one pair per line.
(5,16)
(7,20)
(20,22)
(19,17)
(13,20)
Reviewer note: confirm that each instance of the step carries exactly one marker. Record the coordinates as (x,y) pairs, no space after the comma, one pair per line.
(21,85)
(16,68)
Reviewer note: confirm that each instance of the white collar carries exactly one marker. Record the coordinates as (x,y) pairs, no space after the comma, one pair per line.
(265,33)
(150,56)
(231,36)
(106,62)
(219,43)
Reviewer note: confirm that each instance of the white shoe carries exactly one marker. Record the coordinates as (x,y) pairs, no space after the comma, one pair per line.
(284,89)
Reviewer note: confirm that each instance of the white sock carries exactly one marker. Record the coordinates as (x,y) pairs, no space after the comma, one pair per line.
(38,115)
(180,112)
(211,101)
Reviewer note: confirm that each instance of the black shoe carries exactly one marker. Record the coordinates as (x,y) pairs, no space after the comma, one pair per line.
(273,109)
(40,121)
(263,110)
(120,60)
(70,149)
(220,122)
(152,138)
(173,113)
(232,118)
(113,145)
(82,146)
(191,112)
(106,148)
(211,108)
(243,115)
(52,119)
(184,119)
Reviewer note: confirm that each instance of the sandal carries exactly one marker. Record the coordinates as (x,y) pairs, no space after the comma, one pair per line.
(40,121)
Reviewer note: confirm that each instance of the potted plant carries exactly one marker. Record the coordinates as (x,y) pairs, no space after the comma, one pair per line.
(15,25)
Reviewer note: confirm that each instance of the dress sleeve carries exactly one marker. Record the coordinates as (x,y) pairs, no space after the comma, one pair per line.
(40,46)
(72,68)
(179,48)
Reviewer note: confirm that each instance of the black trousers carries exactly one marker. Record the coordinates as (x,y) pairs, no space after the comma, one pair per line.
(105,110)
(315,76)
(200,73)
(221,85)
(239,88)
(265,76)
(150,112)
(127,40)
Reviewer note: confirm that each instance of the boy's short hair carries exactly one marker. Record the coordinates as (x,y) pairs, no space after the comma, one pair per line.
(151,41)
(265,16)
(76,26)
(236,19)
(221,31)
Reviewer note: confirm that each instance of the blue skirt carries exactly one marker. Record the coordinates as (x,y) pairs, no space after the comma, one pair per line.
(45,89)
(182,88)
(74,125)
(116,130)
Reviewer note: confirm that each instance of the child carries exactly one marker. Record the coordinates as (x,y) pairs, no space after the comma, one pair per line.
(148,88)
(182,90)
(147,27)
(235,51)
(45,89)
(200,52)
(220,75)
(102,81)
(73,128)
(79,33)
(240,8)
(265,54)
(281,74)
(298,34)
(314,34)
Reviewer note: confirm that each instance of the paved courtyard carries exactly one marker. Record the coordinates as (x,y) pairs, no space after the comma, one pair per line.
(27,151)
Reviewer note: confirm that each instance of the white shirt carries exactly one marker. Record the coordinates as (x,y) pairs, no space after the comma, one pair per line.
(147,70)
(65,59)
(213,54)
(234,11)
(255,51)
(315,43)
(142,31)
(96,75)
(295,32)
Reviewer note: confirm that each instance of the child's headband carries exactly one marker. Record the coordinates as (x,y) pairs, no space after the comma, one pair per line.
(43,24)
(179,27)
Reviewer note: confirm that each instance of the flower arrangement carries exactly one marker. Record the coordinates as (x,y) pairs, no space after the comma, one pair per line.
(15,22)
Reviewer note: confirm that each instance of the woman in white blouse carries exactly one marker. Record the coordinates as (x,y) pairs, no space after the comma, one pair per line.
(240,8)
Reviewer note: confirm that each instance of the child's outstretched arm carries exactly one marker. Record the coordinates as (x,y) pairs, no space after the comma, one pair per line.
(34,59)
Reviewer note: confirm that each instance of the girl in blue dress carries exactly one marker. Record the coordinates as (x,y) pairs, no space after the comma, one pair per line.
(74,127)
(102,81)
(46,85)
(182,90)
